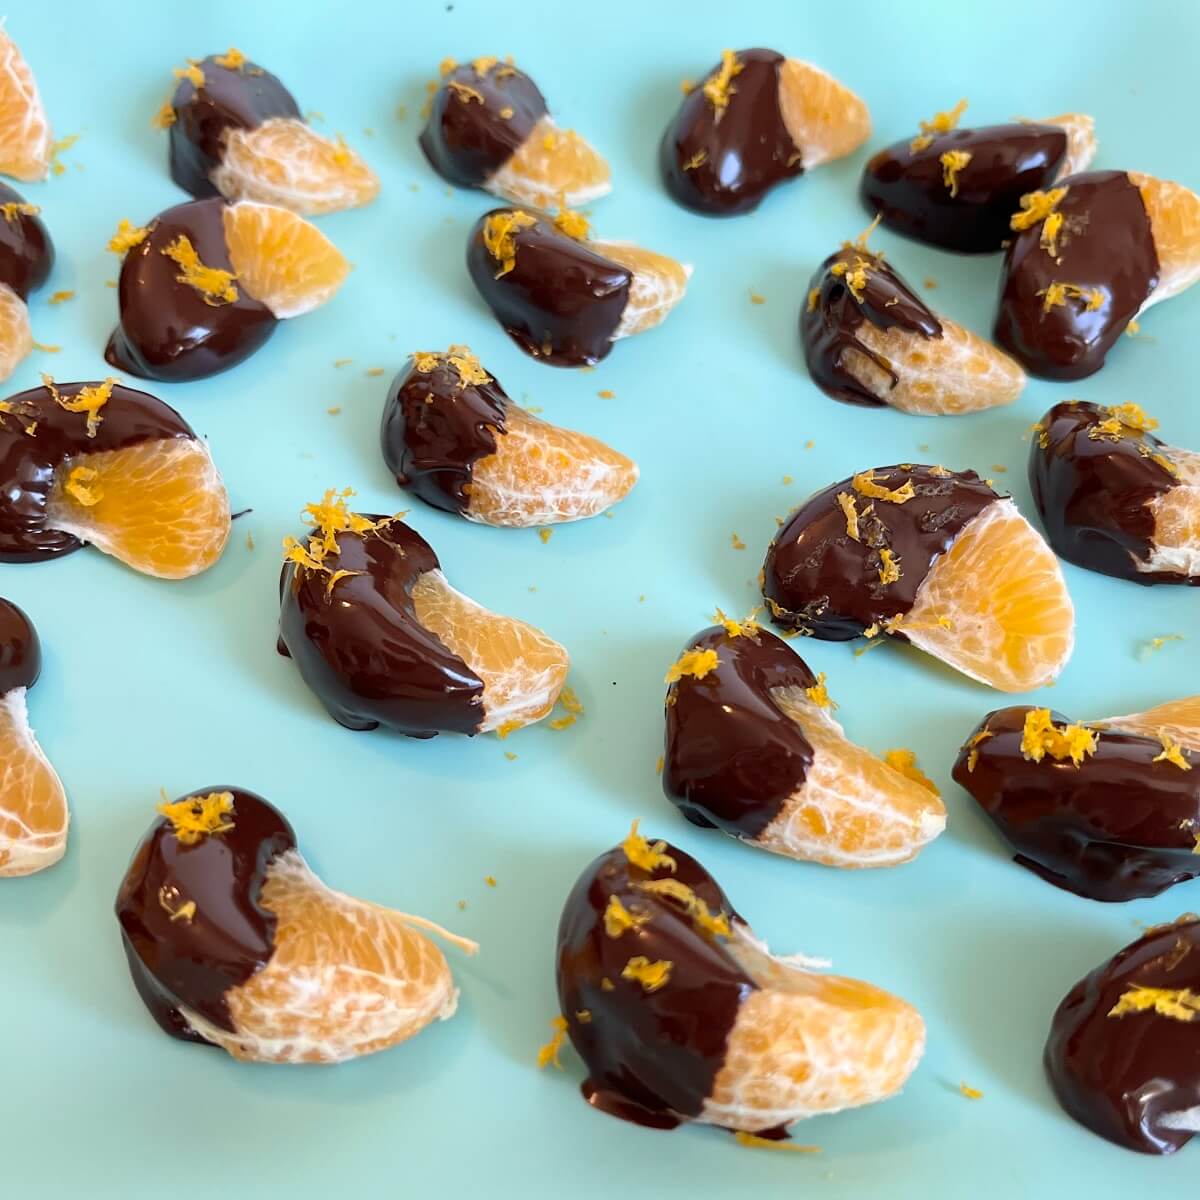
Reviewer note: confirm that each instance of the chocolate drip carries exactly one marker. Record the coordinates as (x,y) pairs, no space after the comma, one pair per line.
(820,580)
(20,649)
(829,329)
(722,162)
(362,650)
(908,188)
(28,461)
(231,98)
(26,252)
(1094,494)
(561,302)
(1107,246)
(732,757)
(168,329)
(436,427)
(1120,826)
(466,139)
(652,1056)
(1124,1076)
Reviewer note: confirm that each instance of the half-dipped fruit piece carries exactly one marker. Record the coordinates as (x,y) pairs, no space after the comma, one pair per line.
(453,437)
(1123,1056)
(680,1014)
(236,131)
(752,749)
(383,639)
(33,805)
(25,141)
(233,941)
(1112,497)
(103,464)
(930,556)
(1086,258)
(957,188)
(26,256)
(756,120)
(869,339)
(561,296)
(204,285)
(489,128)
(1109,810)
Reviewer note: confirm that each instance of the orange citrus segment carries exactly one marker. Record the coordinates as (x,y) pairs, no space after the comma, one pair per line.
(282,261)
(24,129)
(283,161)
(823,118)
(657,285)
(1177,519)
(1174,213)
(522,669)
(159,507)
(16,338)
(541,474)
(1081,142)
(33,805)
(552,167)
(1180,719)
(995,605)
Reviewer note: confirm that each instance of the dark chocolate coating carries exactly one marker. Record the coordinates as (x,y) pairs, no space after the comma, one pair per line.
(1093,494)
(28,463)
(26,252)
(1106,245)
(193,963)
(435,428)
(561,302)
(732,757)
(908,190)
(1121,1076)
(466,141)
(830,329)
(20,649)
(819,580)
(747,147)
(1117,827)
(167,329)
(652,1057)
(242,98)
(363,651)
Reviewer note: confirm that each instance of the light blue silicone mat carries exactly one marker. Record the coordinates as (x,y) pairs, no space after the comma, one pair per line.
(151,684)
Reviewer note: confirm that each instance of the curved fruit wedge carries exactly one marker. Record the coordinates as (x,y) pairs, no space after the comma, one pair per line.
(24,130)
(656,285)
(1174,215)
(16,337)
(1178,719)
(824,118)
(1081,142)
(232,940)
(552,166)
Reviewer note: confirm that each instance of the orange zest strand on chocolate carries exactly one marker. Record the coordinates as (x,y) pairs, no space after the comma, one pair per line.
(328,517)
(865,485)
(653,976)
(618,919)
(1172,752)
(127,236)
(747,627)
(941,122)
(642,854)
(696,663)
(819,694)
(215,286)
(719,89)
(1180,1004)
(232,60)
(500,237)
(90,400)
(198,817)
(1040,736)
(1056,295)
(952,162)
(1039,207)
(715,924)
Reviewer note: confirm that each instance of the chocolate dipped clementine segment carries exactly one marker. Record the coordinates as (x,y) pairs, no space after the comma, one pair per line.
(25,139)
(26,257)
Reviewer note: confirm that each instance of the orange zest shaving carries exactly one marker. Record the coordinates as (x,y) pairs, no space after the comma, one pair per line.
(79,483)
(90,400)
(1180,1004)
(696,663)
(198,817)
(1039,208)
(889,567)
(232,60)
(192,73)
(642,854)
(1056,295)
(941,122)
(653,976)
(482,65)
(214,285)
(1040,736)
(1172,752)
(618,919)
(752,1141)
(855,277)
(905,761)
(819,694)
(697,160)
(573,224)
(548,1054)
(716,924)
(167,897)
(865,485)
(719,88)
(973,748)
(328,518)
(953,161)
(970,1092)
(465,92)
(500,237)
(18,208)
(744,628)
(846,501)
(127,236)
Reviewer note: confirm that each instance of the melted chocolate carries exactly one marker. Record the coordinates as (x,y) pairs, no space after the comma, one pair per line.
(26,252)
(652,1057)
(561,302)
(241,98)
(724,162)
(192,963)
(819,580)
(28,461)
(362,649)
(435,428)
(1120,826)
(908,189)
(1094,493)
(830,329)
(168,330)
(466,140)
(732,757)
(1123,1077)
(20,649)
(1106,245)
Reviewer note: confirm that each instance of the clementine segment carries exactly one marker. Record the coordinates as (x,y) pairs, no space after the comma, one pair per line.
(33,805)
(16,338)
(552,166)
(657,285)
(24,130)
(1179,719)
(823,118)
(1174,213)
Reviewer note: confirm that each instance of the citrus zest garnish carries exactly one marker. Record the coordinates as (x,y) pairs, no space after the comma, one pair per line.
(335,578)
(1132,416)
(819,694)
(855,277)
(77,485)
(905,761)
(198,817)
(814,298)
(970,1092)
(952,162)
(447,65)
(618,919)
(753,1141)
(736,542)
(716,924)
(744,628)
(1157,643)
(1172,752)
(653,976)
(192,73)
(548,1054)
(482,65)
(889,567)
(1039,207)
(1056,295)
(973,748)
(697,160)
(719,89)
(328,517)
(573,224)
(183,912)
(469,369)
(232,60)
(865,485)
(1180,1004)
(127,236)
(941,122)
(60,297)
(642,854)
(500,237)
(1040,737)
(215,286)
(696,663)
(465,92)
(90,400)
(17,208)
(424,361)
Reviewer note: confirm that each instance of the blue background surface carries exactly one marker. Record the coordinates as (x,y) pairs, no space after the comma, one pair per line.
(151,684)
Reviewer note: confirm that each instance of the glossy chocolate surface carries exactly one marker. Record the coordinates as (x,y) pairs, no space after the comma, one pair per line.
(1120,826)
(908,188)
(20,649)
(362,649)
(28,460)
(652,1056)
(231,98)
(561,302)
(26,252)
(732,757)
(436,427)
(830,329)
(821,581)
(1106,245)
(745,149)
(167,329)
(1124,1077)
(466,139)
(192,963)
